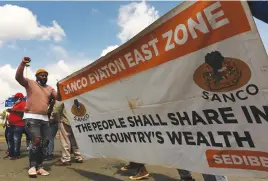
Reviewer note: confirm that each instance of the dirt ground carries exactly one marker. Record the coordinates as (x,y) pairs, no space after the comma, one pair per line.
(93,170)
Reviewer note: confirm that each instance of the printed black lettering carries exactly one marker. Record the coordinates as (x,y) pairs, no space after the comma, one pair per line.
(134,136)
(78,127)
(148,136)
(90,136)
(212,116)
(141,137)
(201,139)
(160,120)
(175,137)
(113,138)
(127,137)
(231,98)
(146,121)
(227,115)
(247,138)
(153,121)
(197,119)
(138,121)
(110,123)
(96,138)
(252,89)
(189,139)
(131,122)
(239,95)
(84,127)
(89,127)
(99,125)
(122,123)
(258,114)
(225,135)
(120,137)
(94,124)
(205,95)
(105,125)
(215,97)
(116,124)
(213,142)
(107,137)
(159,137)
(247,115)
(174,120)
(184,118)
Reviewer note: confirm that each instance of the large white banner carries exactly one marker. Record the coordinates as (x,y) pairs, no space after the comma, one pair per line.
(190,92)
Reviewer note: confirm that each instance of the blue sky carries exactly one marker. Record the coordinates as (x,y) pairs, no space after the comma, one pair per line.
(89,28)
(65,36)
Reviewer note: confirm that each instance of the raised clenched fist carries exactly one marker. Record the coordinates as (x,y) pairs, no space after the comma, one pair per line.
(26,60)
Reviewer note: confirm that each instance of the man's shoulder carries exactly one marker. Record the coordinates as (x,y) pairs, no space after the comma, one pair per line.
(30,81)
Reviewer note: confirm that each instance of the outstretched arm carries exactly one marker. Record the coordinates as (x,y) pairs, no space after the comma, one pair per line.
(19,74)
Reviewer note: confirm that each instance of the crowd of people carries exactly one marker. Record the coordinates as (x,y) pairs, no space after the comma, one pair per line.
(43,115)
(39,118)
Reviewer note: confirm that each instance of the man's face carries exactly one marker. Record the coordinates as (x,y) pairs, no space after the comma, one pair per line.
(42,77)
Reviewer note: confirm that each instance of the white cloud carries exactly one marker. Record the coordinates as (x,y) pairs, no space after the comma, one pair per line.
(135,17)
(108,49)
(59,51)
(94,10)
(132,19)
(19,23)
(13,46)
(61,69)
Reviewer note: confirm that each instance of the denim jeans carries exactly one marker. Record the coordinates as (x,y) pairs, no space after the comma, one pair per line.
(39,133)
(6,134)
(28,139)
(14,140)
(48,151)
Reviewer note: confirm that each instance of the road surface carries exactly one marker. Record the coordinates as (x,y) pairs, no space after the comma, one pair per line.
(90,170)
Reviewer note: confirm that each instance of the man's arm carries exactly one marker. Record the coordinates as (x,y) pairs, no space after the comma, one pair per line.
(15,111)
(56,94)
(19,74)
(18,112)
(57,111)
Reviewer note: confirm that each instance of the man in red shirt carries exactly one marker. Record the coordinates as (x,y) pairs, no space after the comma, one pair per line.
(16,128)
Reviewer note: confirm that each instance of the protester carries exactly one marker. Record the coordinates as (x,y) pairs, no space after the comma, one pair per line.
(141,170)
(16,127)
(53,126)
(67,139)
(39,95)
(49,150)
(6,127)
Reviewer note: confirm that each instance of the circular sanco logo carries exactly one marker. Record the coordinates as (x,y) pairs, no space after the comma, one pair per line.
(78,109)
(221,74)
